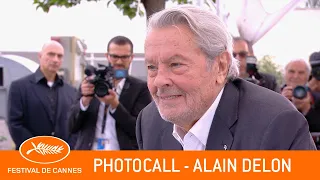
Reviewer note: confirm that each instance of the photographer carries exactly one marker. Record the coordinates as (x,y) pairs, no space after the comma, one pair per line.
(243,51)
(106,121)
(313,116)
(314,82)
(296,77)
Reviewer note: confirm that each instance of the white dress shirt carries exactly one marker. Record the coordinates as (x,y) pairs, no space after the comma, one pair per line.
(110,133)
(196,137)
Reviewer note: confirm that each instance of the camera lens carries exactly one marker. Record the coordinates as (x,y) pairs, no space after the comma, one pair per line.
(300,92)
(101,89)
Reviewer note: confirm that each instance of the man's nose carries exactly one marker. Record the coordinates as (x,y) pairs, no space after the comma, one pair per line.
(296,75)
(56,58)
(162,79)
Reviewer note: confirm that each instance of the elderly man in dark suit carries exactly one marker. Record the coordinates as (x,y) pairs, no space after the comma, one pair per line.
(38,104)
(108,122)
(199,103)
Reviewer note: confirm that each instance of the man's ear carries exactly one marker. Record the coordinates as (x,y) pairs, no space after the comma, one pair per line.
(224,62)
(131,58)
(106,55)
(39,55)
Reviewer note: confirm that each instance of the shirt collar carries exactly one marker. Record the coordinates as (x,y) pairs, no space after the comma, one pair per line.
(202,127)
(120,86)
(39,76)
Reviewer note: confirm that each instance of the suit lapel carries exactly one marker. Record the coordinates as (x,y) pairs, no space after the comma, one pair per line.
(41,96)
(125,93)
(168,142)
(220,136)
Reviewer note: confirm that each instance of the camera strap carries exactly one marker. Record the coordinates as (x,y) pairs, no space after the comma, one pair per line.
(104,120)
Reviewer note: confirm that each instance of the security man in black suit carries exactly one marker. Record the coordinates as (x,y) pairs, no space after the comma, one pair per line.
(243,51)
(108,122)
(38,104)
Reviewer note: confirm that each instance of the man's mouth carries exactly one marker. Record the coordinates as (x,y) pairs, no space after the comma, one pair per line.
(169,97)
(118,67)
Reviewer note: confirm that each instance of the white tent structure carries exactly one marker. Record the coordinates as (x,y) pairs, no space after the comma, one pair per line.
(27,63)
(12,67)
(255,20)
(250,19)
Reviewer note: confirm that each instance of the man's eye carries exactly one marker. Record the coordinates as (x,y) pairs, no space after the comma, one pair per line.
(175,64)
(151,67)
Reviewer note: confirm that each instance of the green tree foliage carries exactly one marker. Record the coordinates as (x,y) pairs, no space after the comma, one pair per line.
(127,7)
(267,65)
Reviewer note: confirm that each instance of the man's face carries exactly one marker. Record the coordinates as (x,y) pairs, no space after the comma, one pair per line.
(120,56)
(240,52)
(179,80)
(51,57)
(296,74)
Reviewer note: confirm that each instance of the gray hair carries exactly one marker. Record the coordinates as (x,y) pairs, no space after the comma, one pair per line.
(211,34)
(308,67)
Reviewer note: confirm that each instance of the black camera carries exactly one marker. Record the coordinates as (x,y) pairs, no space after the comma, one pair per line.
(252,70)
(103,79)
(300,92)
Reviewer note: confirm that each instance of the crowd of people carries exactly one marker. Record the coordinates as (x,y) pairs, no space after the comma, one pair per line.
(203,92)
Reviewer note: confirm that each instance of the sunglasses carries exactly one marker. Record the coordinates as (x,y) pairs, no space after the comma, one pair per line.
(242,54)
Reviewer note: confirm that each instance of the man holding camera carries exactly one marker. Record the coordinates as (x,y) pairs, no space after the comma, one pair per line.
(313,116)
(297,73)
(243,51)
(314,82)
(107,122)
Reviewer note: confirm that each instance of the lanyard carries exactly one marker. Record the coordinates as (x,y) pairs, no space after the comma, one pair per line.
(104,120)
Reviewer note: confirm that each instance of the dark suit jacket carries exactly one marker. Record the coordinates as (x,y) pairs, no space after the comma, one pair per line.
(133,98)
(269,81)
(28,110)
(248,117)
(313,117)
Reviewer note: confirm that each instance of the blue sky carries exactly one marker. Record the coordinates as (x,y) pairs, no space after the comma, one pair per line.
(25,29)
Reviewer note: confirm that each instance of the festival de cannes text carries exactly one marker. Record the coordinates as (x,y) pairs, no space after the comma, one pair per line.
(169,165)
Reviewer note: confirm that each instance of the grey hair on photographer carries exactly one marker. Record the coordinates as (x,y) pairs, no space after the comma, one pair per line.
(211,34)
(308,67)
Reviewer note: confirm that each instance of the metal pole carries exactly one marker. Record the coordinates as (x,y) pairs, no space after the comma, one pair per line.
(198,2)
(218,7)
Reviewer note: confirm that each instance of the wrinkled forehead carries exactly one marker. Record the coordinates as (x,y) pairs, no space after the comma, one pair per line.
(297,66)
(170,31)
(176,37)
(240,45)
